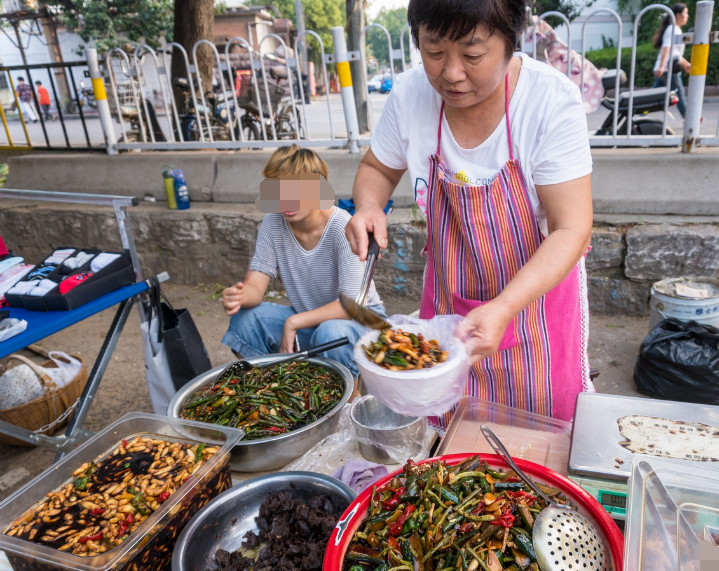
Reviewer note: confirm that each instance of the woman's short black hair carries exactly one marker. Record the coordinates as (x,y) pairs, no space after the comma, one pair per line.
(456,19)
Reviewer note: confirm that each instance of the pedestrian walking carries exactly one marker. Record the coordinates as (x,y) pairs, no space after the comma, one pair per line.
(24,93)
(671,66)
(43,98)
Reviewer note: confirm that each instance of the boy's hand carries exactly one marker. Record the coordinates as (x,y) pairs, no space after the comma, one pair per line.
(232,298)
(288,337)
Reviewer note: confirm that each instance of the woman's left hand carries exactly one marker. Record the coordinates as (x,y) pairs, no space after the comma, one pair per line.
(289,332)
(483,330)
(686,65)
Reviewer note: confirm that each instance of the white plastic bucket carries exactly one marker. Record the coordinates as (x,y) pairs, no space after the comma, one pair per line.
(704,311)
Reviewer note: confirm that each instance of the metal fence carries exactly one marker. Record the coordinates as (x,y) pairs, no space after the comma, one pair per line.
(58,121)
(259,100)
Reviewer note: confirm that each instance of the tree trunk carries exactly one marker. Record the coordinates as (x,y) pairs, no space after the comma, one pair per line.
(194,21)
(49,30)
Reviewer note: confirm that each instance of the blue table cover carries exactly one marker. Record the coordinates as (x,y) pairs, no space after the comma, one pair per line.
(41,324)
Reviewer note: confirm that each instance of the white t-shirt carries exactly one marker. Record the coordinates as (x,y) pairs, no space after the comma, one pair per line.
(549,134)
(677,49)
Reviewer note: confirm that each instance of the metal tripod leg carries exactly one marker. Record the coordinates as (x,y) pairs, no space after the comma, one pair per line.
(74,426)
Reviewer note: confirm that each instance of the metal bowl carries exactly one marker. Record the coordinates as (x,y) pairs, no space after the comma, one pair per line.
(212,528)
(278,451)
(384,436)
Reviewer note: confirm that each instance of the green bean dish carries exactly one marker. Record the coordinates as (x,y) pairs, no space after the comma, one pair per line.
(433,516)
(269,401)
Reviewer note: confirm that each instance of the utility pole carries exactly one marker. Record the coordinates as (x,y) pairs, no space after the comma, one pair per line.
(49,30)
(355,25)
(302,47)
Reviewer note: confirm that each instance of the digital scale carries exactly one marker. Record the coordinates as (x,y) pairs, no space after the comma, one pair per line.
(608,430)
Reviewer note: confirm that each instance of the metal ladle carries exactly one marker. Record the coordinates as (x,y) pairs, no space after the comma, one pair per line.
(563,539)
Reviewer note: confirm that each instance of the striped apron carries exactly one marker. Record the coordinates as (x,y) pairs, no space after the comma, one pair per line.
(478,238)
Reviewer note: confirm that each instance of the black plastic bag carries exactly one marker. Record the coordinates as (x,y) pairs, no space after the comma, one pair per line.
(186,353)
(680,361)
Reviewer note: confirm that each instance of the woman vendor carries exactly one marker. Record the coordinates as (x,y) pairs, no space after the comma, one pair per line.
(497,150)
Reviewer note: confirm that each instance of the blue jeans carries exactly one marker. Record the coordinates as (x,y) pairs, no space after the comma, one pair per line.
(676,84)
(258,331)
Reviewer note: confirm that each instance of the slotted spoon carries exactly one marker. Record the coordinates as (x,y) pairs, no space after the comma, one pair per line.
(242,365)
(564,540)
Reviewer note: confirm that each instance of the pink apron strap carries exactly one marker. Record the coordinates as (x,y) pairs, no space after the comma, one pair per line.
(439,129)
(506,116)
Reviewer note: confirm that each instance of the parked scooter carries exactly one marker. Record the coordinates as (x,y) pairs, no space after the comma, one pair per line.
(220,110)
(645,101)
(85,96)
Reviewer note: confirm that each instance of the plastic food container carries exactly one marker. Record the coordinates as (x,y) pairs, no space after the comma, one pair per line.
(149,547)
(540,439)
(672,509)
(355,514)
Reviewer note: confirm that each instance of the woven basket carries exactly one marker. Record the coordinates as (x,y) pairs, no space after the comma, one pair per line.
(45,410)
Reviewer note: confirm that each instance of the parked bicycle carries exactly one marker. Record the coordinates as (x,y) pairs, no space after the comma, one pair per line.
(220,110)
(281,114)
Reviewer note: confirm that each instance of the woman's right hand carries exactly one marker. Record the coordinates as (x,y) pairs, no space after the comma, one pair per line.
(232,298)
(367,218)
(658,73)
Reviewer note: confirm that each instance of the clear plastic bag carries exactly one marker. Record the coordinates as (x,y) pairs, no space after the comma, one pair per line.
(334,450)
(427,392)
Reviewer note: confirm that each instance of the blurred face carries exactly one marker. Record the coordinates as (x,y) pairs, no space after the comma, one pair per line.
(295,196)
(683,17)
(467,71)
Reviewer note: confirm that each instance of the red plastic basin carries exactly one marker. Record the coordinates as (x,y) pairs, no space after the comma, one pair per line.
(357,511)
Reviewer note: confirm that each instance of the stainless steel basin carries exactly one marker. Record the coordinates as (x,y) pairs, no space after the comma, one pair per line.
(212,528)
(277,451)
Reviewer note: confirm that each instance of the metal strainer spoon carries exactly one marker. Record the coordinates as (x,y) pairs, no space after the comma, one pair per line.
(564,540)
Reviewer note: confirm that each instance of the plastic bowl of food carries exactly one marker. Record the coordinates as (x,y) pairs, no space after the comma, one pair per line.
(418,392)
(356,513)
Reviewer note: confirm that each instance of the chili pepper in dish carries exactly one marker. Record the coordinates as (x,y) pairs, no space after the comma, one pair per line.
(458,520)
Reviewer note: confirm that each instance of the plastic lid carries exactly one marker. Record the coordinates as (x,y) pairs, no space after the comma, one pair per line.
(539,439)
(672,509)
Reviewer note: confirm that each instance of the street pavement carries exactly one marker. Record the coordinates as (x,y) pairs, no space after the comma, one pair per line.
(317,117)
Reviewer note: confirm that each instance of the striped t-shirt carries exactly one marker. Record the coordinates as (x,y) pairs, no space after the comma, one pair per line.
(315,278)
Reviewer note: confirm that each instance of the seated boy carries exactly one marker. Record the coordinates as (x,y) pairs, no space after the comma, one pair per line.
(315,262)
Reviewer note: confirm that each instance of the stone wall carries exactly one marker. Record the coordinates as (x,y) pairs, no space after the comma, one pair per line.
(213,243)
(626,259)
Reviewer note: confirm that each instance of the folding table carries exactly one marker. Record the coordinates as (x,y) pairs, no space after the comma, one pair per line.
(42,324)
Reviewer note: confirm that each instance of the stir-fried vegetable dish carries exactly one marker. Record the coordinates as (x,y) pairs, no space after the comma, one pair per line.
(402,351)
(267,402)
(109,499)
(433,517)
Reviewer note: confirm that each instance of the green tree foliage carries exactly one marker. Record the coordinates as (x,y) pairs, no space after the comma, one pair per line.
(376,39)
(110,23)
(652,19)
(320,17)
(570,8)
